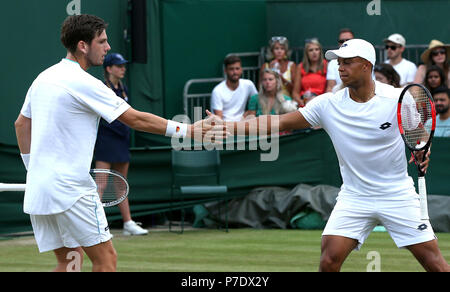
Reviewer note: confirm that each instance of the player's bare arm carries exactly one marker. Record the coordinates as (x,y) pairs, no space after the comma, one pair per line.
(288,121)
(151,123)
(23,133)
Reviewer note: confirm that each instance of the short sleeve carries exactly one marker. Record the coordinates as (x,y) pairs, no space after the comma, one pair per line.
(216,101)
(102,100)
(314,110)
(253,89)
(26,107)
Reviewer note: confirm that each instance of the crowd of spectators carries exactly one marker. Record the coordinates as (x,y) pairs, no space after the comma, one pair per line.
(285,86)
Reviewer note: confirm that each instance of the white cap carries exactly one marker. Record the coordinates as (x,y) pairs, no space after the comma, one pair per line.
(354,48)
(396,38)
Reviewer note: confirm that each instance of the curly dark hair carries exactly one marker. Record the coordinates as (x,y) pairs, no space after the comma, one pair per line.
(82,27)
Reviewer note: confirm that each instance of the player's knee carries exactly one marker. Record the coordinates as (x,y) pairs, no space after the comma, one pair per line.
(330,263)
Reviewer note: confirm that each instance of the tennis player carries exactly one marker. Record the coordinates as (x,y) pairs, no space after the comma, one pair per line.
(56,132)
(361,122)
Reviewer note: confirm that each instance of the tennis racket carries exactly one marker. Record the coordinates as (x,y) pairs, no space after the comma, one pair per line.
(416,117)
(112,187)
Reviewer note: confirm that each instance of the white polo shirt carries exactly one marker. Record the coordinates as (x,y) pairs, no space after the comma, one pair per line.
(366,138)
(65,104)
(232,102)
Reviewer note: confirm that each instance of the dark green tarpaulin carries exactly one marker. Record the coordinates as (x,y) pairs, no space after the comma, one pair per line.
(305,157)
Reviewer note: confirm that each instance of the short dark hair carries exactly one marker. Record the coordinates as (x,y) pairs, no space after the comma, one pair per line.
(231,60)
(346,29)
(82,27)
(442,89)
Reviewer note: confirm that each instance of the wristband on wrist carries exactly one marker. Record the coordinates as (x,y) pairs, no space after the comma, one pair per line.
(175,129)
(25,159)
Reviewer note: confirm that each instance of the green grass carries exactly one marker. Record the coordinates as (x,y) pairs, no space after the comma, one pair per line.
(240,250)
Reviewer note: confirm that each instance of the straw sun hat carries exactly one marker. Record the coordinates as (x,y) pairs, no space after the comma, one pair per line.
(434,44)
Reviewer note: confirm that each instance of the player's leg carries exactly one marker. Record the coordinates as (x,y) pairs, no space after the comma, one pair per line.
(334,251)
(429,256)
(103,257)
(122,168)
(101,183)
(68,259)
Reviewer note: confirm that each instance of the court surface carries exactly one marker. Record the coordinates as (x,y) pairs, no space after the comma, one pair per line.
(240,250)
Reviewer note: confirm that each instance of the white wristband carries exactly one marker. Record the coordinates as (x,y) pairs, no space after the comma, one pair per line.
(25,159)
(175,129)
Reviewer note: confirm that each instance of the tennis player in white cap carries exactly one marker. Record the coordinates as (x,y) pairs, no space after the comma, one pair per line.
(362,124)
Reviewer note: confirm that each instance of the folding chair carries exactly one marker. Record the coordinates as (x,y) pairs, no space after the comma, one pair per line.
(196,174)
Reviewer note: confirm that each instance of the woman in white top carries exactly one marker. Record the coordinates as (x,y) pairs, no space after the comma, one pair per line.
(278,54)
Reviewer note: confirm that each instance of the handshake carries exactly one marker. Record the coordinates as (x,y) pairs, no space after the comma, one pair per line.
(211,129)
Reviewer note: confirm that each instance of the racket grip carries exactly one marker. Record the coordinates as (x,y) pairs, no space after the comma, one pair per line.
(423,198)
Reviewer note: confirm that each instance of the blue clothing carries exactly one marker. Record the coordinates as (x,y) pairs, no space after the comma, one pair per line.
(113,140)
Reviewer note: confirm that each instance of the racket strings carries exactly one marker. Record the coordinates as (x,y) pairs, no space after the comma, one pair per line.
(110,187)
(416,111)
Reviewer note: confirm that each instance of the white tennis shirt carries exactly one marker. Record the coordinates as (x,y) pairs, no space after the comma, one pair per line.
(65,104)
(366,138)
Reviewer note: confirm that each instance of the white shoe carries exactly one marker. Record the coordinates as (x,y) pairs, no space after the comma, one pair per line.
(133,228)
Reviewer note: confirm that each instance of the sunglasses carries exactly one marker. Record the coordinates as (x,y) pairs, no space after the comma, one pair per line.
(280,39)
(343,41)
(391,47)
(437,52)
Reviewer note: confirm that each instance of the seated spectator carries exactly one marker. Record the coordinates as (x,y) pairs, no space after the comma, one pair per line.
(333,79)
(437,54)
(385,73)
(278,55)
(395,46)
(229,98)
(441,98)
(310,78)
(434,78)
(270,100)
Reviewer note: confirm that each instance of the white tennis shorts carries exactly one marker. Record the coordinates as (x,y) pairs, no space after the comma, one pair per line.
(355,216)
(84,224)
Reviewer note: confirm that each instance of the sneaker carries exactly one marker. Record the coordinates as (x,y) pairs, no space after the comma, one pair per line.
(133,228)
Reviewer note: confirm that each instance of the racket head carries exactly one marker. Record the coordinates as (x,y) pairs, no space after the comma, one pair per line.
(112,186)
(416,116)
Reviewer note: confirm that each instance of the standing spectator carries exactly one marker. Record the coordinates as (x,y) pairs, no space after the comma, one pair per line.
(229,98)
(395,46)
(333,79)
(386,73)
(278,55)
(441,96)
(437,54)
(270,100)
(434,78)
(310,78)
(113,140)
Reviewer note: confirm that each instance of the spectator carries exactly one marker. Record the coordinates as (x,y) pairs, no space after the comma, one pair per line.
(437,54)
(434,78)
(333,79)
(278,55)
(387,74)
(270,100)
(395,46)
(441,98)
(113,140)
(229,98)
(310,78)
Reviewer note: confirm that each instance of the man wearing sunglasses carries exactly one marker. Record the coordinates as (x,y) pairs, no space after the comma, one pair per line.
(395,45)
(333,79)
